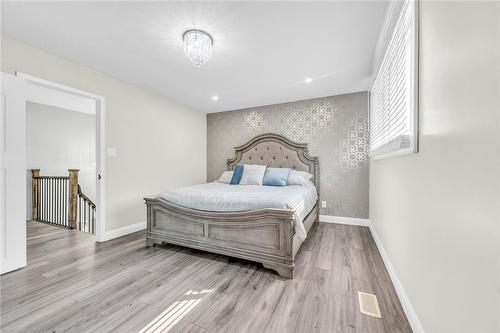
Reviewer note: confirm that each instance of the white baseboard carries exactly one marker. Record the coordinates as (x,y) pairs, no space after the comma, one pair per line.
(344,220)
(415,323)
(115,233)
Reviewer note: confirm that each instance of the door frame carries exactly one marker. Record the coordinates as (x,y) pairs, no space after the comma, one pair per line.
(100,108)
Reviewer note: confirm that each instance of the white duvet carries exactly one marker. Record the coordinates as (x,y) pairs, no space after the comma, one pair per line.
(221,197)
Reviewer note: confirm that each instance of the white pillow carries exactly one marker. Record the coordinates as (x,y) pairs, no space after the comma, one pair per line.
(299,178)
(226,177)
(253,174)
(304,174)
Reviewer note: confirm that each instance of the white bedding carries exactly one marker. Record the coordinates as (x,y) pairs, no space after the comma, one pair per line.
(220,197)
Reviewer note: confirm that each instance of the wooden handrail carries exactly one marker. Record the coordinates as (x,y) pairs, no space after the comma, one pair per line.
(84,197)
(87,210)
(51,177)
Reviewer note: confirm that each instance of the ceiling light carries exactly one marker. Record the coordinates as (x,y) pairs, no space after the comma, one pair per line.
(308,80)
(198,46)
(215,98)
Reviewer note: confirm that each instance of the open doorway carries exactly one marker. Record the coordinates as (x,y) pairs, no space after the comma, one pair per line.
(61,167)
(24,99)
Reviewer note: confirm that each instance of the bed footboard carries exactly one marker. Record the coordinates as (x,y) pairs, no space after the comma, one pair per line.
(264,236)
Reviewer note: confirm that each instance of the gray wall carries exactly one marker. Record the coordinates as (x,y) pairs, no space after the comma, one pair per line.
(437,212)
(335,129)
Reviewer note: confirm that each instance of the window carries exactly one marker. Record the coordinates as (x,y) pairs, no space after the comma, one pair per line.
(393,97)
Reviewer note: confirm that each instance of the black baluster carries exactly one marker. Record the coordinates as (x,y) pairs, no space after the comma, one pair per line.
(66,200)
(61,202)
(88,226)
(40,202)
(57,201)
(84,214)
(79,211)
(40,208)
(52,200)
(45,199)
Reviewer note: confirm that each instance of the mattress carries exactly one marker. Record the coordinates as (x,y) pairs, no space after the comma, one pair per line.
(221,197)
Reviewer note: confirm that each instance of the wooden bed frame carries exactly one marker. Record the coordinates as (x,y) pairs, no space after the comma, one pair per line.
(266,235)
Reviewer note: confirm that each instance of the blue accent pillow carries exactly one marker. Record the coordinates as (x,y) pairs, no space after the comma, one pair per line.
(237,174)
(276,176)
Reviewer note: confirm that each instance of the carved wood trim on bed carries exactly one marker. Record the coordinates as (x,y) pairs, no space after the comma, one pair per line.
(268,235)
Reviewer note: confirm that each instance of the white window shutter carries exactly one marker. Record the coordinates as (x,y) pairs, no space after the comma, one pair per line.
(393,94)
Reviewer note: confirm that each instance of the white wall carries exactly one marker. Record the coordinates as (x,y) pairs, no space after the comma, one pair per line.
(159,144)
(58,140)
(437,212)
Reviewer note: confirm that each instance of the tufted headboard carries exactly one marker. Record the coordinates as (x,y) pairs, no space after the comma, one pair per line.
(276,151)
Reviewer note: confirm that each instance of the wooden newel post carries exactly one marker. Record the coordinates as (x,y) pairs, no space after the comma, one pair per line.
(73,197)
(36,194)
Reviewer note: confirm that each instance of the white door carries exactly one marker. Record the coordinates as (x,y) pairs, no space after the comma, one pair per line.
(12,174)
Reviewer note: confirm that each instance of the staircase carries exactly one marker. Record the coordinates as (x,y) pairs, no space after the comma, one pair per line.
(59,200)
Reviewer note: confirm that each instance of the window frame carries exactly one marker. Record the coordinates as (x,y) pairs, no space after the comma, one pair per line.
(402,144)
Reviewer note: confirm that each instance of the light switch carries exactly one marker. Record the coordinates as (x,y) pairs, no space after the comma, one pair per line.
(323,204)
(110,152)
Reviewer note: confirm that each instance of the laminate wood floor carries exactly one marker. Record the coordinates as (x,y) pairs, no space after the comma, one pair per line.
(73,284)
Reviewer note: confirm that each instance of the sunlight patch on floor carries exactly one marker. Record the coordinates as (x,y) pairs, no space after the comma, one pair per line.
(166,320)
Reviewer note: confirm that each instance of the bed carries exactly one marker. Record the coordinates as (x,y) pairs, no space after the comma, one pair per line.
(259,223)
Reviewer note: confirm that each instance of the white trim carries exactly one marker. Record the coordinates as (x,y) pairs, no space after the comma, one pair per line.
(100,143)
(410,313)
(101,168)
(46,83)
(401,142)
(394,153)
(404,144)
(415,323)
(115,233)
(344,220)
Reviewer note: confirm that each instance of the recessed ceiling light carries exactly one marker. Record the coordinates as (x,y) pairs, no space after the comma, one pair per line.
(308,80)
(215,98)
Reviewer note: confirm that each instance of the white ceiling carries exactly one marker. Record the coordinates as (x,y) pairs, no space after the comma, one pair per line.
(263,50)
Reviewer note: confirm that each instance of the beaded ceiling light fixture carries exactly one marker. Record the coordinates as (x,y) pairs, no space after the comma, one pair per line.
(198,46)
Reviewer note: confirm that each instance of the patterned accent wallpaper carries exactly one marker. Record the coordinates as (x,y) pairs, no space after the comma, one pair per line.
(335,128)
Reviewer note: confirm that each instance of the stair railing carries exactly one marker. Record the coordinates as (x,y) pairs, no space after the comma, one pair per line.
(86,213)
(59,200)
(49,200)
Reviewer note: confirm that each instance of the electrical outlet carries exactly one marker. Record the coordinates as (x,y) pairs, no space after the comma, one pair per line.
(323,204)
